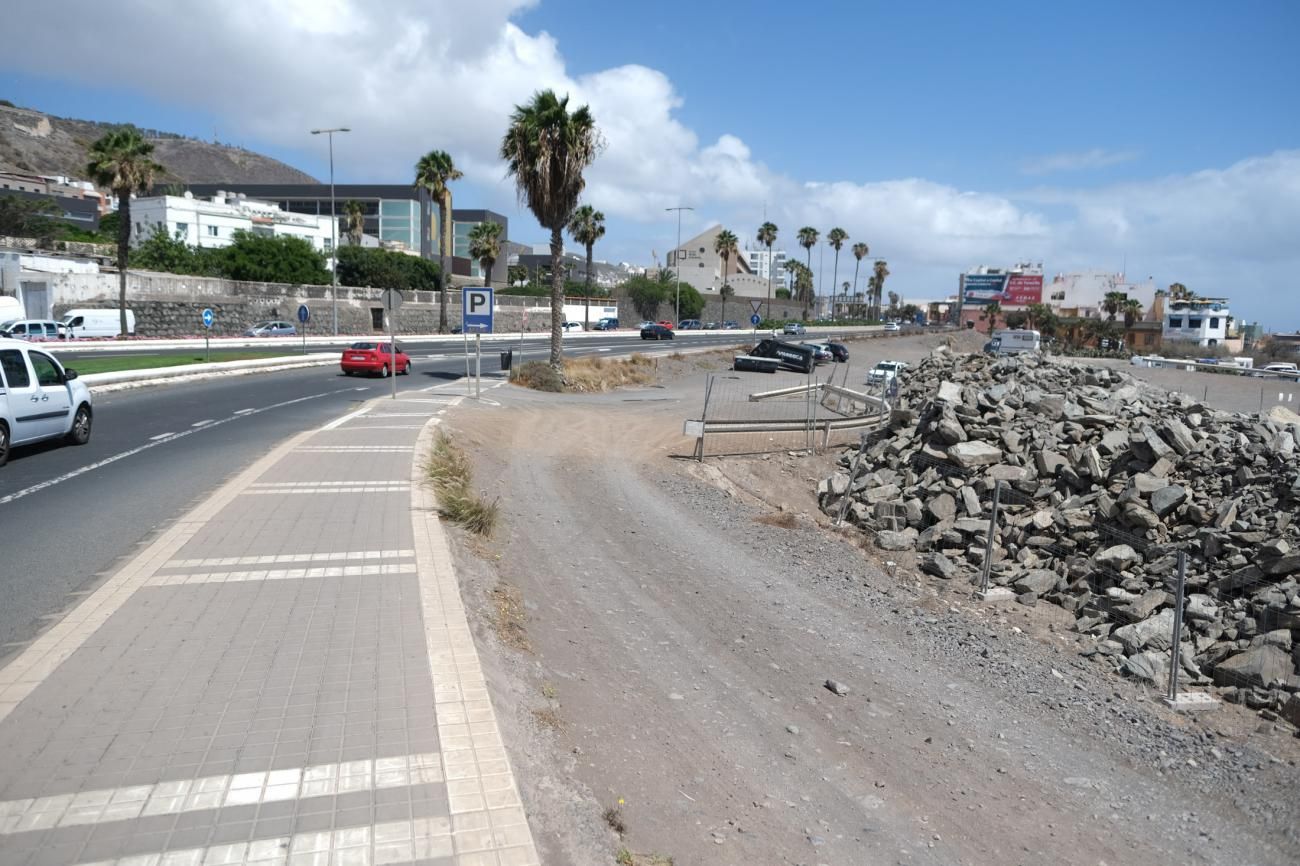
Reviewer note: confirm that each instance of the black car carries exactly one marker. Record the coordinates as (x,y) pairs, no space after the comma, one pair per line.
(839,351)
(607,324)
(656,332)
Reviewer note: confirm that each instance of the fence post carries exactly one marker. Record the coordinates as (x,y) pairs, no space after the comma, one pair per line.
(988,544)
(1178,627)
(853,472)
(704,419)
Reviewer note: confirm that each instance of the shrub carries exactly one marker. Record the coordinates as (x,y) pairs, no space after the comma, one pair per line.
(537,375)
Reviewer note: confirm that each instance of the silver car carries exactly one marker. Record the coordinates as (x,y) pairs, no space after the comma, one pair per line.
(272,329)
(39,399)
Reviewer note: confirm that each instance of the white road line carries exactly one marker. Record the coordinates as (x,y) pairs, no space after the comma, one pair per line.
(188,578)
(91,467)
(160,436)
(387,427)
(245,411)
(203,423)
(290,557)
(216,792)
(356,449)
(339,422)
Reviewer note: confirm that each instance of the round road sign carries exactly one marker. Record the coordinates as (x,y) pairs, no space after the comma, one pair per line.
(207,318)
(754,320)
(391,299)
(304,314)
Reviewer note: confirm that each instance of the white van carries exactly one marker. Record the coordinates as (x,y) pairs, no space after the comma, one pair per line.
(1015,342)
(97,323)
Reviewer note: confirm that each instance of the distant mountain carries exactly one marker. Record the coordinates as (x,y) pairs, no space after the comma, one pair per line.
(36,143)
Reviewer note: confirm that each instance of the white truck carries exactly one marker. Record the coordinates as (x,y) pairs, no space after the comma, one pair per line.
(97,322)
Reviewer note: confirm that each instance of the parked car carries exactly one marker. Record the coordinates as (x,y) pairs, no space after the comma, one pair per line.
(667,324)
(607,324)
(689,325)
(839,351)
(710,326)
(730,326)
(30,376)
(34,330)
(893,326)
(794,328)
(1283,370)
(94,322)
(571,326)
(368,357)
(656,331)
(272,329)
(886,372)
(821,354)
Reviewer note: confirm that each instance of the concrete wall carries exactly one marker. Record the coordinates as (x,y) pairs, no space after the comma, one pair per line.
(170,305)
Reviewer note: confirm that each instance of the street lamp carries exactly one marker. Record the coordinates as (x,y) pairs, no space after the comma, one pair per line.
(334,225)
(677,260)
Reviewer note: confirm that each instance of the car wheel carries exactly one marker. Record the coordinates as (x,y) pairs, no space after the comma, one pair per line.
(406,371)
(4,443)
(80,432)
(383,373)
(347,372)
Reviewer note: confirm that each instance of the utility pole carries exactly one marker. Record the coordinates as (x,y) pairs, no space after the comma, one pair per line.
(677,261)
(334,225)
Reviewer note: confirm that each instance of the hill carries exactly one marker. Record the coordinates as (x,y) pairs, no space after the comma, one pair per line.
(36,143)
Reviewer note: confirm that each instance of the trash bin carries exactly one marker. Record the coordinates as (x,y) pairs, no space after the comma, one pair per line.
(507,358)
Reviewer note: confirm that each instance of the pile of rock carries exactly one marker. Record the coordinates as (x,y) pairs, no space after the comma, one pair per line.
(1102,481)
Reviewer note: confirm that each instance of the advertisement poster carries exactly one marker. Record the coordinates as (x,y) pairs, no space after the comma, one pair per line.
(1009,290)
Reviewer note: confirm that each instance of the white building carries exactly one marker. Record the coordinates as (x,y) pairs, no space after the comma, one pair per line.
(759,262)
(1203,321)
(1084,292)
(213,222)
(28,276)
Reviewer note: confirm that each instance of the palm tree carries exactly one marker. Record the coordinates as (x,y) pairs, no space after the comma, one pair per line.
(485,247)
(992,310)
(546,149)
(433,173)
(726,246)
(767,235)
(808,240)
(880,270)
(836,238)
(122,161)
(1132,309)
(1113,303)
(356,218)
(860,252)
(587,225)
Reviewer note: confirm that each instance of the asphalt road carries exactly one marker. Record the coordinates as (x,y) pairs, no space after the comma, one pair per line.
(67,514)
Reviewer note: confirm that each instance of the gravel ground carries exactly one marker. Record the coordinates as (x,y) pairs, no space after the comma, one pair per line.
(678,644)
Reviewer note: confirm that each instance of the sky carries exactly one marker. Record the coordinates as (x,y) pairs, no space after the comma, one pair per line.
(1158,138)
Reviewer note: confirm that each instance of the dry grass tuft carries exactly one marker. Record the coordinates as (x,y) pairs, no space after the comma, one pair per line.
(625,857)
(509,618)
(606,374)
(548,718)
(782,519)
(450,473)
(537,375)
(614,818)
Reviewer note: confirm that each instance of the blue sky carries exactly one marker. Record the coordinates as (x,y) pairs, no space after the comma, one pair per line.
(946,134)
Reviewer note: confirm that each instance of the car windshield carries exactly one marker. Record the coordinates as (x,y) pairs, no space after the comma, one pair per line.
(362,346)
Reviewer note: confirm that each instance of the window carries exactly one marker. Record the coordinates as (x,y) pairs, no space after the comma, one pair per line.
(329,243)
(1193,323)
(1214,322)
(15,370)
(212,231)
(1148,338)
(47,372)
(1175,321)
(183,229)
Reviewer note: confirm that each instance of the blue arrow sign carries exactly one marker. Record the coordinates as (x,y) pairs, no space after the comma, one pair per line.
(754,320)
(207,318)
(304,314)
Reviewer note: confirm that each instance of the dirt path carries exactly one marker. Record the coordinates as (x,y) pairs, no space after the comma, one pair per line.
(672,661)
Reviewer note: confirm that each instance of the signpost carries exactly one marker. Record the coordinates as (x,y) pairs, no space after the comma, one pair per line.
(208,319)
(476,305)
(304,316)
(392,301)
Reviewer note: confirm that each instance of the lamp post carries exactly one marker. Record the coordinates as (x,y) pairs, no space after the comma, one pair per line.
(677,260)
(334,225)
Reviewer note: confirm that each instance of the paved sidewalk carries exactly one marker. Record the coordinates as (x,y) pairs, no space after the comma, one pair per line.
(286,676)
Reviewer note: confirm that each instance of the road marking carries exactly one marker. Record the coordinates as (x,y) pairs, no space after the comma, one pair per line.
(91,467)
(216,792)
(290,491)
(245,411)
(161,436)
(203,423)
(339,422)
(290,557)
(188,578)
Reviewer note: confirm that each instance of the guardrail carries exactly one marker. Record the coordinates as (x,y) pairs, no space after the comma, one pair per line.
(1155,361)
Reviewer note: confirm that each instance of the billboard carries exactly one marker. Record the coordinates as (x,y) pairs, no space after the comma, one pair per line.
(1009,290)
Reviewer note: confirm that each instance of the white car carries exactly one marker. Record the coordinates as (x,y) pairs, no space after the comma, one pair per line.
(34,330)
(1283,370)
(572,326)
(893,326)
(886,372)
(39,399)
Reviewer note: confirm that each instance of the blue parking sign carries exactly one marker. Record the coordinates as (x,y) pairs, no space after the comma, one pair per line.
(476,309)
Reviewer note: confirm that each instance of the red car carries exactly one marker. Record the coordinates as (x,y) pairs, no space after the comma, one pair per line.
(668,325)
(374,358)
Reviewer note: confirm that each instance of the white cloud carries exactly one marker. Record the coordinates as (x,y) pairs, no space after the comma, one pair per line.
(1078,161)
(410,75)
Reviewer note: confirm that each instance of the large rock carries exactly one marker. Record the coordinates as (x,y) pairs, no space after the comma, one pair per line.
(1149,667)
(1039,581)
(1118,558)
(950,392)
(970,455)
(1257,666)
(950,431)
(890,540)
(1138,516)
(1179,436)
(942,507)
(939,565)
(1166,499)
(1283,565)
(1151,633)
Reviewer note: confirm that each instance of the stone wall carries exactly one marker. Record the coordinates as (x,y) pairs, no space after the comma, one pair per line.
(737,310)
(169,305)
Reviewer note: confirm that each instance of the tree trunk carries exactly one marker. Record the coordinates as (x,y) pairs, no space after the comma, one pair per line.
(856,266)
(586,312)
(123,252)
(835,275)
(443,258)
(557,300)
(771,269)
(723,289)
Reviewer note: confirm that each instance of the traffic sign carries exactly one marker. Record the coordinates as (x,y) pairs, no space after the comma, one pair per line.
(476,309)
(304,314)
(754,320)
(207,318)
(754,305)
(392,300)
